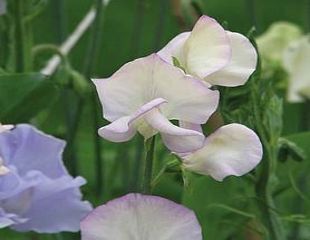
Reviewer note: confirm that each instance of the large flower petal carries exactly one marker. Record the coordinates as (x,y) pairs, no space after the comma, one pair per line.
(296,62)
(175,48)
(232,150)
(207,49)
(136,216)
(148,78)
(241,66)
(175,138)
(30,149)
(46,217)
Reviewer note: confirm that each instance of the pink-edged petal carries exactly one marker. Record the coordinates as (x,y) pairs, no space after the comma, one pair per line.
(241,66)
(188,99)
(175,138)
(175,48)
(118,131)
(148,78)
(136,216)
(231,150)
(124,128)
(207,49)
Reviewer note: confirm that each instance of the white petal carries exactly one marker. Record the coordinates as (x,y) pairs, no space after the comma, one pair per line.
(118,131)
(232,150)
(188,99)
(278,36)
(296,62)
(207,50)
(191,126)
(137,216)
(175,48)
(124,128)
(241,66)
(145,79)
(175,138)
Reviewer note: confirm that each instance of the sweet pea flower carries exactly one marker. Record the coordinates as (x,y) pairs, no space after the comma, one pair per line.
(296,59)
(212,54)
(136,216)
(284,44)
(272,43)
(232,149)
(145,94)
(38,194)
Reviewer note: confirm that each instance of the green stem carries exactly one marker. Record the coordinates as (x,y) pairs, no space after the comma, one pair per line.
(148,166)
(264,191)
(266,180)
(91,59)
(19,34)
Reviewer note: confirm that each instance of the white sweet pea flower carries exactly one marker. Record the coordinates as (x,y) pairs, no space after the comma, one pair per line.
(284,44)
(210,53)
(231,150)
(145,94)
(276,39)
(142,217)
(296,61)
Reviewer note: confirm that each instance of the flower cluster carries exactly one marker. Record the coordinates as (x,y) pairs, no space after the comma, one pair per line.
(35,181)
(174,84)
(285,45)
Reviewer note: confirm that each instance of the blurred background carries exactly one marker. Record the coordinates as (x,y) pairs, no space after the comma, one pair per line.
(128,29)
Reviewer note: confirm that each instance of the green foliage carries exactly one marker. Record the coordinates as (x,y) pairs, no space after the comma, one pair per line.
(23,96)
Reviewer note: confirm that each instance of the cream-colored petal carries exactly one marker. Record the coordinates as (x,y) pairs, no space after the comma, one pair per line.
(241,66)
(207,49)
(231,150)
(296,59)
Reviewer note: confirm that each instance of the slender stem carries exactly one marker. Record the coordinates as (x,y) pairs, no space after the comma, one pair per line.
(70,42)
(91,58)
(164,6)
(266,180)
(264,191)
(251,5)
(148,166)
(19,36)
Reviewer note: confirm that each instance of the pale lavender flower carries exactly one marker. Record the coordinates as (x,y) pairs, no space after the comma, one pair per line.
(145,94)
(212,54)
(38,194)
(232,149)
(137,216)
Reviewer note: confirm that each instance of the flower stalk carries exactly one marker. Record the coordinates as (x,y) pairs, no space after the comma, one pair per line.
(148,166)
(19,36)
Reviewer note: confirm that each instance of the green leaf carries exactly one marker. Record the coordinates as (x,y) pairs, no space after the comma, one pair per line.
(22,96)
